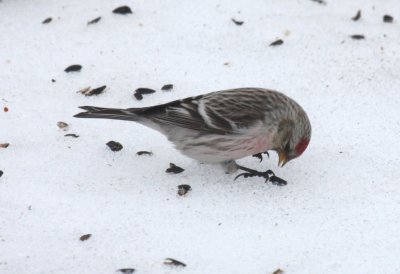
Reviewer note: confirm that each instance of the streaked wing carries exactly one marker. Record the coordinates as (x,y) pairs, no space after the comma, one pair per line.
(221,112)
(243,107)
(181,113)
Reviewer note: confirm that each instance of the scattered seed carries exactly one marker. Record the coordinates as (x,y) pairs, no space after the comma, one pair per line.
(71,135)
(62,125)
(138,96)
(277,181)
(322,2)
(167,87)
(1,173)
(144,153)
(170,261)
(95,91)
(145,90)
(239,23)
(127,270)
(357,36)
(140,91)
(122,10)
(94,21)
(5,109)
(73,68)
(47,20)
(114,146)
(85,237)
(87,91)
(357,16)
(5,145)
(387,18)
(174,169)
(183,189)
(53,80)
(276,43)
(278,271)
(84,90)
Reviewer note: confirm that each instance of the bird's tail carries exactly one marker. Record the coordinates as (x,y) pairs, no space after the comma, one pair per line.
(108,113)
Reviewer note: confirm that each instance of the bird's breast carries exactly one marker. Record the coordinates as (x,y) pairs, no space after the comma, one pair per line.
(257,144)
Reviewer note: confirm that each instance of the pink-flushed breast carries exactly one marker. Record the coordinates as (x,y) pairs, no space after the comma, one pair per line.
(257,145)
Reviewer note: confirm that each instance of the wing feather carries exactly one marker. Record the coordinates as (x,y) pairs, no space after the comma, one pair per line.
(221,112)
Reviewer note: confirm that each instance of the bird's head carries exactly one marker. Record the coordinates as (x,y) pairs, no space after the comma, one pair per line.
(292,138)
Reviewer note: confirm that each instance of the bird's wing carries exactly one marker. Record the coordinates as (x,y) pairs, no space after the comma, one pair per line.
(224,112)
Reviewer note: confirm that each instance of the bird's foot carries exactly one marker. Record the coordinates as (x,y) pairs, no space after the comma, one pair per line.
(259,155)
(268,175)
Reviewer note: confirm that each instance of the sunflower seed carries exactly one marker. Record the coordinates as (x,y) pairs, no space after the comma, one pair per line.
(85,237)
(387,18)
(183,189)
(62,125)
(277,181)
(357,16)
(170,261)
(114,146)
(122,10)
(71,135)
(95,91)
(322,2)
(73,68)
(276,43)
(167,87)
(127,270)
(239,23)
(145,90)
(174,169)
(94,21)
(138,96)
(47,20)
(144,153)
(357,36)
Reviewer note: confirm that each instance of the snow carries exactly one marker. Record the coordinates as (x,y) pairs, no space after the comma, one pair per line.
(339,212)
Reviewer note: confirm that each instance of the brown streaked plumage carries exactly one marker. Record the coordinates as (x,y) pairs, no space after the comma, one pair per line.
(222,126)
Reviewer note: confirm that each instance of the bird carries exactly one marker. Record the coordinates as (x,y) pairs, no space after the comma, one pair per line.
(222,126)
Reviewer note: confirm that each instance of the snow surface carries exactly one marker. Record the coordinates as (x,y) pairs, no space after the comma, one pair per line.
(339,212)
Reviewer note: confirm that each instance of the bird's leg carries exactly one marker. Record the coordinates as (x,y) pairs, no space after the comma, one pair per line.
(230,166)
(259,155)
(268,175)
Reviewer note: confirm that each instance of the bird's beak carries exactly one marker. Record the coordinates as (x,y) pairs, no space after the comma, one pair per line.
(282,158)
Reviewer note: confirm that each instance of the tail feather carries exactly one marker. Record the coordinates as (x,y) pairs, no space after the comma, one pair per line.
(107,113)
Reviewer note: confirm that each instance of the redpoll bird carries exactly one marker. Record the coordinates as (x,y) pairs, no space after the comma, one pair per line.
(222,126)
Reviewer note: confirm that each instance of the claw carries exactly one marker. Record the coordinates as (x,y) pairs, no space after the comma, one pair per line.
(245,175)
(268,175)
(259,156)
